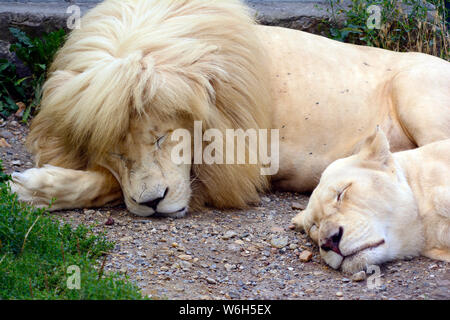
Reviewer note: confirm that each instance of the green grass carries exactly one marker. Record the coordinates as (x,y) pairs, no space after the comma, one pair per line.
(36,250)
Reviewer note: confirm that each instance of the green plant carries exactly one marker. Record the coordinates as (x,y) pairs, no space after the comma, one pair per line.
(405,25)
(37,55)
(36,250)
(11,88)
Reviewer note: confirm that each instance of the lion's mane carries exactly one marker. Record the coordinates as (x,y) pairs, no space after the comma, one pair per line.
(167,58)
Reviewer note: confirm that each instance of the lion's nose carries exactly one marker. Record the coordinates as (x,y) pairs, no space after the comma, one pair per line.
(154,203)
(332,242)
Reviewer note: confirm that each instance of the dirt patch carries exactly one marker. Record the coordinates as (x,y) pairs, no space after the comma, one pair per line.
(234,254)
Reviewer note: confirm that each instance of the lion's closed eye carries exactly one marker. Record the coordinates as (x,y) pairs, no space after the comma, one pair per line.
(160,140)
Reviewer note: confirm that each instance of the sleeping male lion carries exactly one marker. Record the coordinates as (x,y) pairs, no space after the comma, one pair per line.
(137,70)
(376,206)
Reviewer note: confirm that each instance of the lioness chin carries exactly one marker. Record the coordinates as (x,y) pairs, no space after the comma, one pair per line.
(376,206)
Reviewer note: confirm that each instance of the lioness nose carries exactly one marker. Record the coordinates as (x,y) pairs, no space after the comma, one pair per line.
(154,203)
(332,242)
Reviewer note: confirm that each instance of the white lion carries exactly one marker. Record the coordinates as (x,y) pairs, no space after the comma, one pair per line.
(139,69)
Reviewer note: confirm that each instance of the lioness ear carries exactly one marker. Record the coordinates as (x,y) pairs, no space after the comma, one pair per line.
(376,148)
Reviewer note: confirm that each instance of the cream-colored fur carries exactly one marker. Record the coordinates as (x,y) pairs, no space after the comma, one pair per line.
(383,206)
(139,69)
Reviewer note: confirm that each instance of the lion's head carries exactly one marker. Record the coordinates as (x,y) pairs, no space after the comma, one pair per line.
(138,70)
(363,211)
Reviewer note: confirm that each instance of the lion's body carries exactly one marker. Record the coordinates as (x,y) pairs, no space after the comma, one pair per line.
(329,95)
(137,70)
(383,206)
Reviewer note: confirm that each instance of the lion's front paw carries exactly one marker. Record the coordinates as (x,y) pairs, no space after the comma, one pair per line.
(28,188)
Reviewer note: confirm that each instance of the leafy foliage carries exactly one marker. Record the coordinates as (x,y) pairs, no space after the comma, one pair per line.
(36,54)
(10,88)
(405,25)
(36,251)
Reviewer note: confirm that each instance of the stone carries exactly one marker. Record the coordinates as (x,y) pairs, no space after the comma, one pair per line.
(109,222)
(234,295)
(229,267)
(279,242)
(6,134)
(359,276)
(234,247)
(185,257)
(125,239)
(4,143)
(339,294)
(229,234)
(276,229)
(211,280)
(297,206)
(185,265)
(305,256)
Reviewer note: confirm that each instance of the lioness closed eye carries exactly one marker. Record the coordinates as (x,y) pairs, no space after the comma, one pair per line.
(376,206)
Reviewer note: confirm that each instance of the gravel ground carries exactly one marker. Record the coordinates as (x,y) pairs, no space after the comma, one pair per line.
(234,254)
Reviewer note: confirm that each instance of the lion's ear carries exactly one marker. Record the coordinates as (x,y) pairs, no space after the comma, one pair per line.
(376,148)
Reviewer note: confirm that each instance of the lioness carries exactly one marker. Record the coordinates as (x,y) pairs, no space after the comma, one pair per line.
(137,70)
(376,206)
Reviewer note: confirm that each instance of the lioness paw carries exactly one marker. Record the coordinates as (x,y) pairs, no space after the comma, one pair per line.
(297,222)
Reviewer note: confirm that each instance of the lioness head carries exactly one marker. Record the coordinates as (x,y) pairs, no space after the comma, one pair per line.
(363,211)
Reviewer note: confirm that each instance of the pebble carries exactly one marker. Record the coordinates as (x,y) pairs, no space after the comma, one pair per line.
(6,134)
(240,242)
(4,143)
(305,256)
(185,257)
(339,294)
(229,234)
(109,222)
(185,265)
(276,229)
(234,247)
(297,206)
(211,281)
(279,242)
(123,270)
(359,276)
(125,239)
(229,267)
(16,163)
